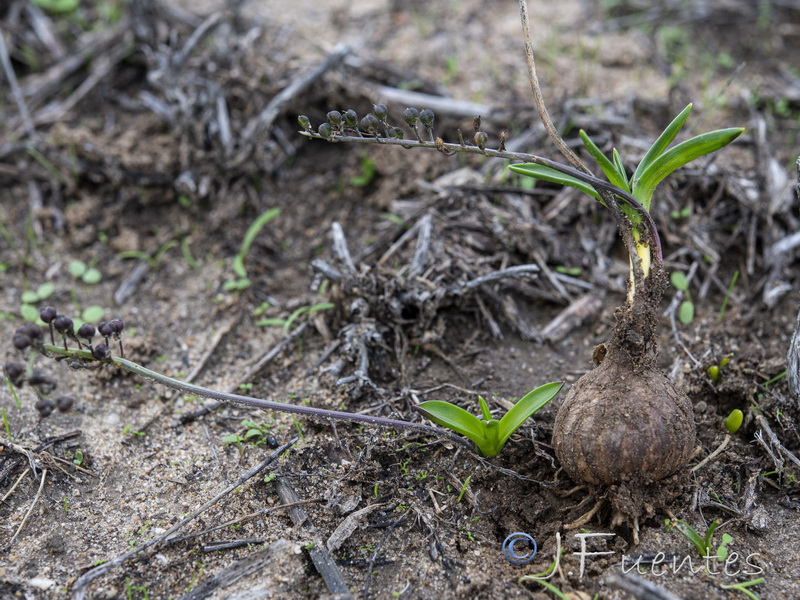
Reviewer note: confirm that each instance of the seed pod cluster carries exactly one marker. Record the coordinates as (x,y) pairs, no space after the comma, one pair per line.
(31,336)
(375,124)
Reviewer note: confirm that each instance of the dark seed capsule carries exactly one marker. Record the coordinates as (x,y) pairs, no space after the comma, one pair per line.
(87,331)
(105,329)
(272,442)
(14,371)
(304,121)
(369,124)
(325,130)
(44,383)
(116,325)
(350,117)
(101,352)
(410,116)
(334,118)
(21,341)
(48,313)
(64,324)
(64,403)
(380,111)
(32,331)
(427,117)
(44,407)
(396,133)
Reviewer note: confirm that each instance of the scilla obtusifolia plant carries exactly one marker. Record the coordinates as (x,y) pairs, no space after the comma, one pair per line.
(623,425)
(489,435)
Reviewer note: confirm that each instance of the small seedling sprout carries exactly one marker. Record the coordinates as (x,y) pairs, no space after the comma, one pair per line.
(243,281)
(703,544)
(686,308)
(734,420)
(489,434)
(742,587)
(728,294)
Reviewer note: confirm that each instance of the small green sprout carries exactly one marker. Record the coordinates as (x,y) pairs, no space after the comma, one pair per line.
(77,458)
(30,297)
(734,420)
(686,309)
(6,425)
(129,429)
(703,544)
(88,274)
(155,260)
(714,371)
(742,587)
(489,434)
(464,488)
(297,313)
(367,174)
(243,281)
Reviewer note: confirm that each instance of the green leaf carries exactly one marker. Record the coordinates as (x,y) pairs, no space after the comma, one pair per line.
(92,314)
(679,281)
(527,405)
(253,433)
(271,322)
(29,313)
(238,266)
(553,176)
(686,312)
(487,414)
(456,418)
(237,284)
(44,290)
(57,6)
(621,169)
(690,534)
(734,420)
(664,140)
(709,534)
(29,297)
(605,164)
(367,173)
(722,551)
(92,276)
(676,157)
(77,268)
(256,227)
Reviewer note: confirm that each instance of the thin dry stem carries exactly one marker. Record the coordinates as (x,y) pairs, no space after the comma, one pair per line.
(538,98)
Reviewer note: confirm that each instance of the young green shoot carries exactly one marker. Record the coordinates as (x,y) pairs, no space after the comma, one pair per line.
(488,433)
(703,544)
(734,420)
(686,309)
(88,274)
(6,425)
(155,260)
(742,587)
(243,281)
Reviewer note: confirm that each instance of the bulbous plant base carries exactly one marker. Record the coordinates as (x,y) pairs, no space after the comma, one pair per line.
(627,431)
(620,424)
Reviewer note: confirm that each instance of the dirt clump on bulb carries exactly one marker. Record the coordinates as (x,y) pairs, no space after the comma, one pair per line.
(624,426)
